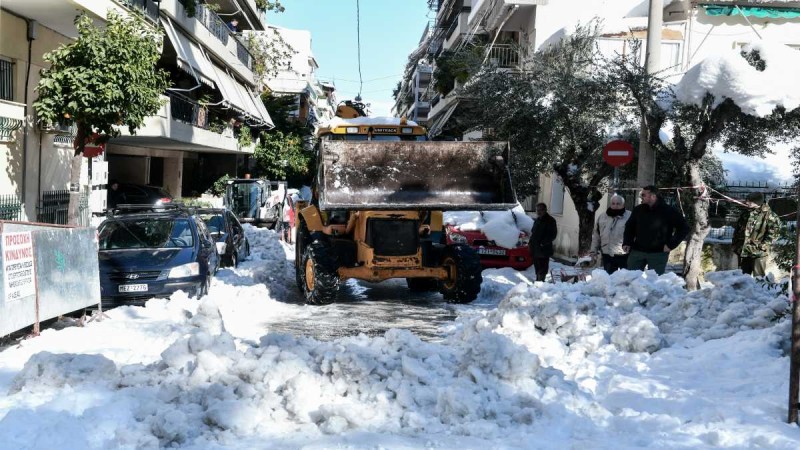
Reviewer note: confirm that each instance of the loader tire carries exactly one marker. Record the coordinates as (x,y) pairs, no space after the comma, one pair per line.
(422,284)
(465,280)
(320,280)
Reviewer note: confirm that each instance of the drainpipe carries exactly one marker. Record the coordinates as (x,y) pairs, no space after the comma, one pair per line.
(31,36)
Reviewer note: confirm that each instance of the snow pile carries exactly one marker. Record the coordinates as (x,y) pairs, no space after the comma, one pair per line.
(205,390)
(729,76)
(631,312)
(503,227)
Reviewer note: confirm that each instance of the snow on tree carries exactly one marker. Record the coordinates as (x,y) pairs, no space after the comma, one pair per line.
(742,99)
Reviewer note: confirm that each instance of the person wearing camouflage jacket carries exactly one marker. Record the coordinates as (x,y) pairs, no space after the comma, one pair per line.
(756,230)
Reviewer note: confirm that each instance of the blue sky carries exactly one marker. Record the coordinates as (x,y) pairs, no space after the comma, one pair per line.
(390,30)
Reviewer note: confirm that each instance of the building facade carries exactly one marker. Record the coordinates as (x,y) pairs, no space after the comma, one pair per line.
(315,100)
(197,136)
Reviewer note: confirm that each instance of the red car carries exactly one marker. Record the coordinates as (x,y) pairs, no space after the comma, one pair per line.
(492,255)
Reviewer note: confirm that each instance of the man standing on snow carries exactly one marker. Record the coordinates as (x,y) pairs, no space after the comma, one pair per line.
(608,233)
(756,230)
(543,234)
(653,230)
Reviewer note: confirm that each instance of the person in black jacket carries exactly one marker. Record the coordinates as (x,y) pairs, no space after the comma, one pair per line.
(654,230)
(541,243)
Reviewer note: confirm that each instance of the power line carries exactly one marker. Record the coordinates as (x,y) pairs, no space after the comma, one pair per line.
(358,36)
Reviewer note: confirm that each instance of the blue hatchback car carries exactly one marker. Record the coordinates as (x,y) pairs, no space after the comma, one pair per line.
(146,252)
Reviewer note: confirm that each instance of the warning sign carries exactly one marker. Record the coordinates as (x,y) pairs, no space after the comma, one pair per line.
(18,272)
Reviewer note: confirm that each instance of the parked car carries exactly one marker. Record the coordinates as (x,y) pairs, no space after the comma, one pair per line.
(139,194)
(227,232)
(492,255)
(148,252)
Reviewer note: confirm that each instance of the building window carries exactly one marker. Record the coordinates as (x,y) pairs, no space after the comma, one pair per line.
(6,80)
(556,196)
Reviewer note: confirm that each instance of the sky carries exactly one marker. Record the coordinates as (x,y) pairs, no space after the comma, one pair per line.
(390,30)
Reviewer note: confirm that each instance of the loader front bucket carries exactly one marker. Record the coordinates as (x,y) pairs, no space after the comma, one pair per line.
(376,175)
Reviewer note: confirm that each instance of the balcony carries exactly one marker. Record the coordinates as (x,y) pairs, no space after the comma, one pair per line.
(207,28)
(504,56)
(183,125)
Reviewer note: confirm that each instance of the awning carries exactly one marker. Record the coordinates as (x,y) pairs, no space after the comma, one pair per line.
(239,97)
(754,11)
(191,58)
(263,111)
(441,121)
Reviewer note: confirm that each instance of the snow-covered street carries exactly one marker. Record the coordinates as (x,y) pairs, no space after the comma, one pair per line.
(616,362)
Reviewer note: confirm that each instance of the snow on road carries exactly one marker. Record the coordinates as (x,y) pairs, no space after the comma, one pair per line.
(621,361)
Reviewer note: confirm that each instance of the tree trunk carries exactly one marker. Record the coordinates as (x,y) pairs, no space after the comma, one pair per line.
(585,226)
(693,259)
(74,190)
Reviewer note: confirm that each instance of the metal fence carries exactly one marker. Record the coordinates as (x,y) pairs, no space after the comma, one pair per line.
(54,208)
(10,208)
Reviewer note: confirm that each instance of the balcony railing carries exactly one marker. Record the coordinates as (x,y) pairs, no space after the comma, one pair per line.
(244,55)
(215,25)
(189,112)
(504,56)
(6,80)
(196,115)
(10,207)
(147,7)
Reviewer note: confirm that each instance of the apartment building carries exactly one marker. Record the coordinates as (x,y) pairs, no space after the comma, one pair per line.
(410,100)
(315,100)
(197,135)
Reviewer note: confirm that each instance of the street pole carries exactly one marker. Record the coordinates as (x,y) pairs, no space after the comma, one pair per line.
(646,170)
(794,357)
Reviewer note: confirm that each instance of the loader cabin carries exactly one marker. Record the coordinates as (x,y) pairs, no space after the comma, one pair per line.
(349,127)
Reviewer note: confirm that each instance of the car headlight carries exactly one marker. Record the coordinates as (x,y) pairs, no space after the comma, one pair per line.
(185,270)
(458,238)
(523,241)
(221,246)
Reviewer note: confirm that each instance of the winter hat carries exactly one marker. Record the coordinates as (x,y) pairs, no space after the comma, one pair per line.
(756,197)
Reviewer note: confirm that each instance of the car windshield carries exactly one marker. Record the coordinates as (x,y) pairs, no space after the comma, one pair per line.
(145,233)
(214,222)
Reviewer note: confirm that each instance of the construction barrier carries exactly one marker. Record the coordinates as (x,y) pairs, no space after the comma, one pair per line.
(47,271)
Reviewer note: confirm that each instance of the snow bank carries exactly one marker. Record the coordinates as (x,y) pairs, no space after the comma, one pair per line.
(631,312)
(503,227)
(729,76)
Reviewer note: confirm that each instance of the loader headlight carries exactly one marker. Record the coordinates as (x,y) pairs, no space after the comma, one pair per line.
(352,129)
(408,130)
(185,270)
(458,238)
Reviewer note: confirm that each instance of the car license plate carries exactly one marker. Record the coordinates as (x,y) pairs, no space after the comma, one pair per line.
(133,288)
(491,251)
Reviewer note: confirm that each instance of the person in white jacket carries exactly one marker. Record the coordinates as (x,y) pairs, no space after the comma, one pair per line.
(608,233)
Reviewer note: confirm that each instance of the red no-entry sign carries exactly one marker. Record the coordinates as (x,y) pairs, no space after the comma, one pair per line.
(618,153)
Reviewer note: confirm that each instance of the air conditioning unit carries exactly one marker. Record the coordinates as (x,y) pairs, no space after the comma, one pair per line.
(55,128)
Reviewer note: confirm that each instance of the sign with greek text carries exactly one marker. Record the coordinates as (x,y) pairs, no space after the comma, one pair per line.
(18,271)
